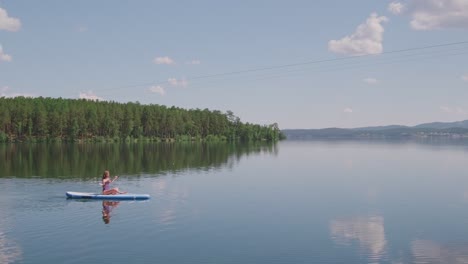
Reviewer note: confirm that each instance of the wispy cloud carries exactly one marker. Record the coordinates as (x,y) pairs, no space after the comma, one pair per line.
(193,62)
(465,77)
(89,95)
(5,92)
(445,109)
(82,29)
(396,8)
(8,23)
(438,14)
(4,56)
(367,39)
(347,110)
(453,110)
(157,89)
(163,60)
(435,14)
(370,80)
(177,83)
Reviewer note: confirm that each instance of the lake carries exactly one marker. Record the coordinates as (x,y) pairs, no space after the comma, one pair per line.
(290,202)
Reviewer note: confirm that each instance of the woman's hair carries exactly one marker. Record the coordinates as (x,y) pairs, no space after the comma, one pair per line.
(105,174)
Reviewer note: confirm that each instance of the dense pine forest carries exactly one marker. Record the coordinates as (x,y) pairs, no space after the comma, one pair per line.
(56,119)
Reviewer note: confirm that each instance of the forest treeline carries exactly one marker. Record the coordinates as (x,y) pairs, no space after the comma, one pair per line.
(59,119)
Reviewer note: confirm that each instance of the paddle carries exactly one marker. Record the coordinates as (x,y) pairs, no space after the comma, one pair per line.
(115,178)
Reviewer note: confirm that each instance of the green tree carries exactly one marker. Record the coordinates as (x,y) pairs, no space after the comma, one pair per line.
(68,119)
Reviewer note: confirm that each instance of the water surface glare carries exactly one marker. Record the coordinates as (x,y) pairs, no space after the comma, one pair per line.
(292,202)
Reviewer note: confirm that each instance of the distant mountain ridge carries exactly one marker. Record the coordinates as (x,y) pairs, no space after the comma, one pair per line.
(435,129)
(442,125)
(378,128)
(434,125)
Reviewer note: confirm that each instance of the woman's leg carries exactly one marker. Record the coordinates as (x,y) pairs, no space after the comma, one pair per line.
(119,192)
(110,192)
(113,191)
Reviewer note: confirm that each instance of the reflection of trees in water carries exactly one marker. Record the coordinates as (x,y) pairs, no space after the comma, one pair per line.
(88,160)
(368,231)
(425,251)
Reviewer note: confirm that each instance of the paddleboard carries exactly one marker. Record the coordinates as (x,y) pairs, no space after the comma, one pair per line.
(126,196)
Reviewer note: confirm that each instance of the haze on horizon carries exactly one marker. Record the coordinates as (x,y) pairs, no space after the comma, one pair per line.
(301,64)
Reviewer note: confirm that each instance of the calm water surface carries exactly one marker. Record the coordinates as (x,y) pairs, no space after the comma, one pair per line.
(293,202)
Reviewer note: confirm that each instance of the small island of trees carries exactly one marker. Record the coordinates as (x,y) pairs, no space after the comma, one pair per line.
(24,119)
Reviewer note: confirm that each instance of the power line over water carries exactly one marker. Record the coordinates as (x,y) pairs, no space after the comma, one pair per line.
(325,65)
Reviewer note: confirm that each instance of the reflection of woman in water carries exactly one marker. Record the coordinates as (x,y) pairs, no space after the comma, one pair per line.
(107,207)
(106,181)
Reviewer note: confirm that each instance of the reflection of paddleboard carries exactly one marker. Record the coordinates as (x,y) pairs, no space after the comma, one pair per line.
(126,196)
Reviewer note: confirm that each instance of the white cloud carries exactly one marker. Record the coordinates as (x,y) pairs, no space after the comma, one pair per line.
(172,81)
(82,29)
(368,231)
(453,110)
(163,60)
(10,250)
(4,92)
(90,96)
(177,83)
(465,77)
(367,39)
(8,23)
(347,110)
(426,251)
(193,62)
(445,109)
(4,56)
(157,89)
(438,14)
(396,8)
(370,80)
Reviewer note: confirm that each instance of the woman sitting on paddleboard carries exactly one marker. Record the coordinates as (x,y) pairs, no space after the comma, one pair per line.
(106,181)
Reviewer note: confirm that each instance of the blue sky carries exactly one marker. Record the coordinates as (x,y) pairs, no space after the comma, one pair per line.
(302,64)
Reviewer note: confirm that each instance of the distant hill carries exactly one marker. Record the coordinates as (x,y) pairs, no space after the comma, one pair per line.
(378,128)
(457,129)
(442,125)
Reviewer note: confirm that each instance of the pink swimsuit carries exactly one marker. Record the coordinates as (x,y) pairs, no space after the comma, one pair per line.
(106,186)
